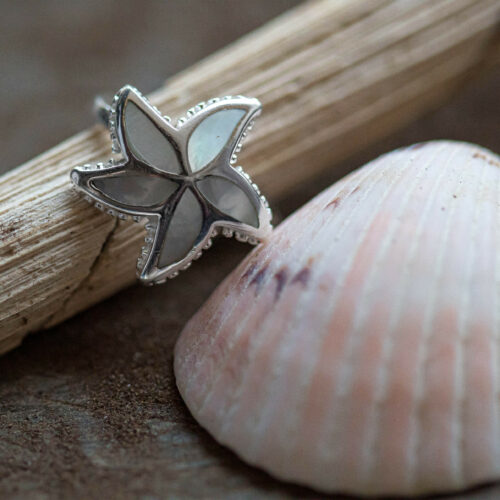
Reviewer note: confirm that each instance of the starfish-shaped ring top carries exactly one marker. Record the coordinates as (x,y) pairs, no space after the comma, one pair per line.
(179,177)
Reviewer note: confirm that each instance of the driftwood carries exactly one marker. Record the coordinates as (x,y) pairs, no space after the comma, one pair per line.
(333,76)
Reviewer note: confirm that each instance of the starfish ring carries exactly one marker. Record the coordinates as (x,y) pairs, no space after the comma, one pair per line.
(180,178)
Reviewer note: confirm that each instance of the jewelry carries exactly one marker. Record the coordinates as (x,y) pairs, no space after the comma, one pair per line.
(180,178)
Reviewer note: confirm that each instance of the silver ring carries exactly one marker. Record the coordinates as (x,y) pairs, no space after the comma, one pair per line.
(181,178)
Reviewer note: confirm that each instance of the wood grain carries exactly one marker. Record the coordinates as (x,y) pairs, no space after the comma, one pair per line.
(334,76)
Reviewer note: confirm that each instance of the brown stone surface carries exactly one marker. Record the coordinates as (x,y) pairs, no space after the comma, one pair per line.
(89,409)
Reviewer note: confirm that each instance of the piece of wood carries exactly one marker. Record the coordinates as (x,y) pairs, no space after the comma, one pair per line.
(334,76)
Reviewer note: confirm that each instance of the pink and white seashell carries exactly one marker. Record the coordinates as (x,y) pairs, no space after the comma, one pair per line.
(358,351)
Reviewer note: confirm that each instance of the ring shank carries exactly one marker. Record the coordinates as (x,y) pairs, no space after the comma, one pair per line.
(102,110)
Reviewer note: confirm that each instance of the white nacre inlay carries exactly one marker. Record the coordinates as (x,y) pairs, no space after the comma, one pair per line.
(134,189)
(211,136)
(147,143)
(184,228)
(229,199)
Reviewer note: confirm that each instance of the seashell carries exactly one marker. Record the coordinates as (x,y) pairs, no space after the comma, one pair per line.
(358,350)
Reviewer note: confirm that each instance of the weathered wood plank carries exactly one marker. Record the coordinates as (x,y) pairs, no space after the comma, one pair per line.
(334,76)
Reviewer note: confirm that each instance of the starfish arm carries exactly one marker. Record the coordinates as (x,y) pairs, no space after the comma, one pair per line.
(125,188)
(179,234)
(143,135)
(235,202)
(212,135)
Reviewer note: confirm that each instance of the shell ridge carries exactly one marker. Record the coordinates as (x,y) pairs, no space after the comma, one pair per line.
(496,339)
(388,343)
(328,454)
(458,451)
(375,411)
(357,331)
(415,444)
(488,239)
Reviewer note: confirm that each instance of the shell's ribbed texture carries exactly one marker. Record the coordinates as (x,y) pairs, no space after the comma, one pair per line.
(358,351)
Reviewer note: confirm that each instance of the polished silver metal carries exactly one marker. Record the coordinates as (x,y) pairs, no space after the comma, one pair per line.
(180,178)
(102,110)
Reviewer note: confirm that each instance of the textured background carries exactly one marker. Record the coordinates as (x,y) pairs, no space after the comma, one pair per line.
(90,409)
